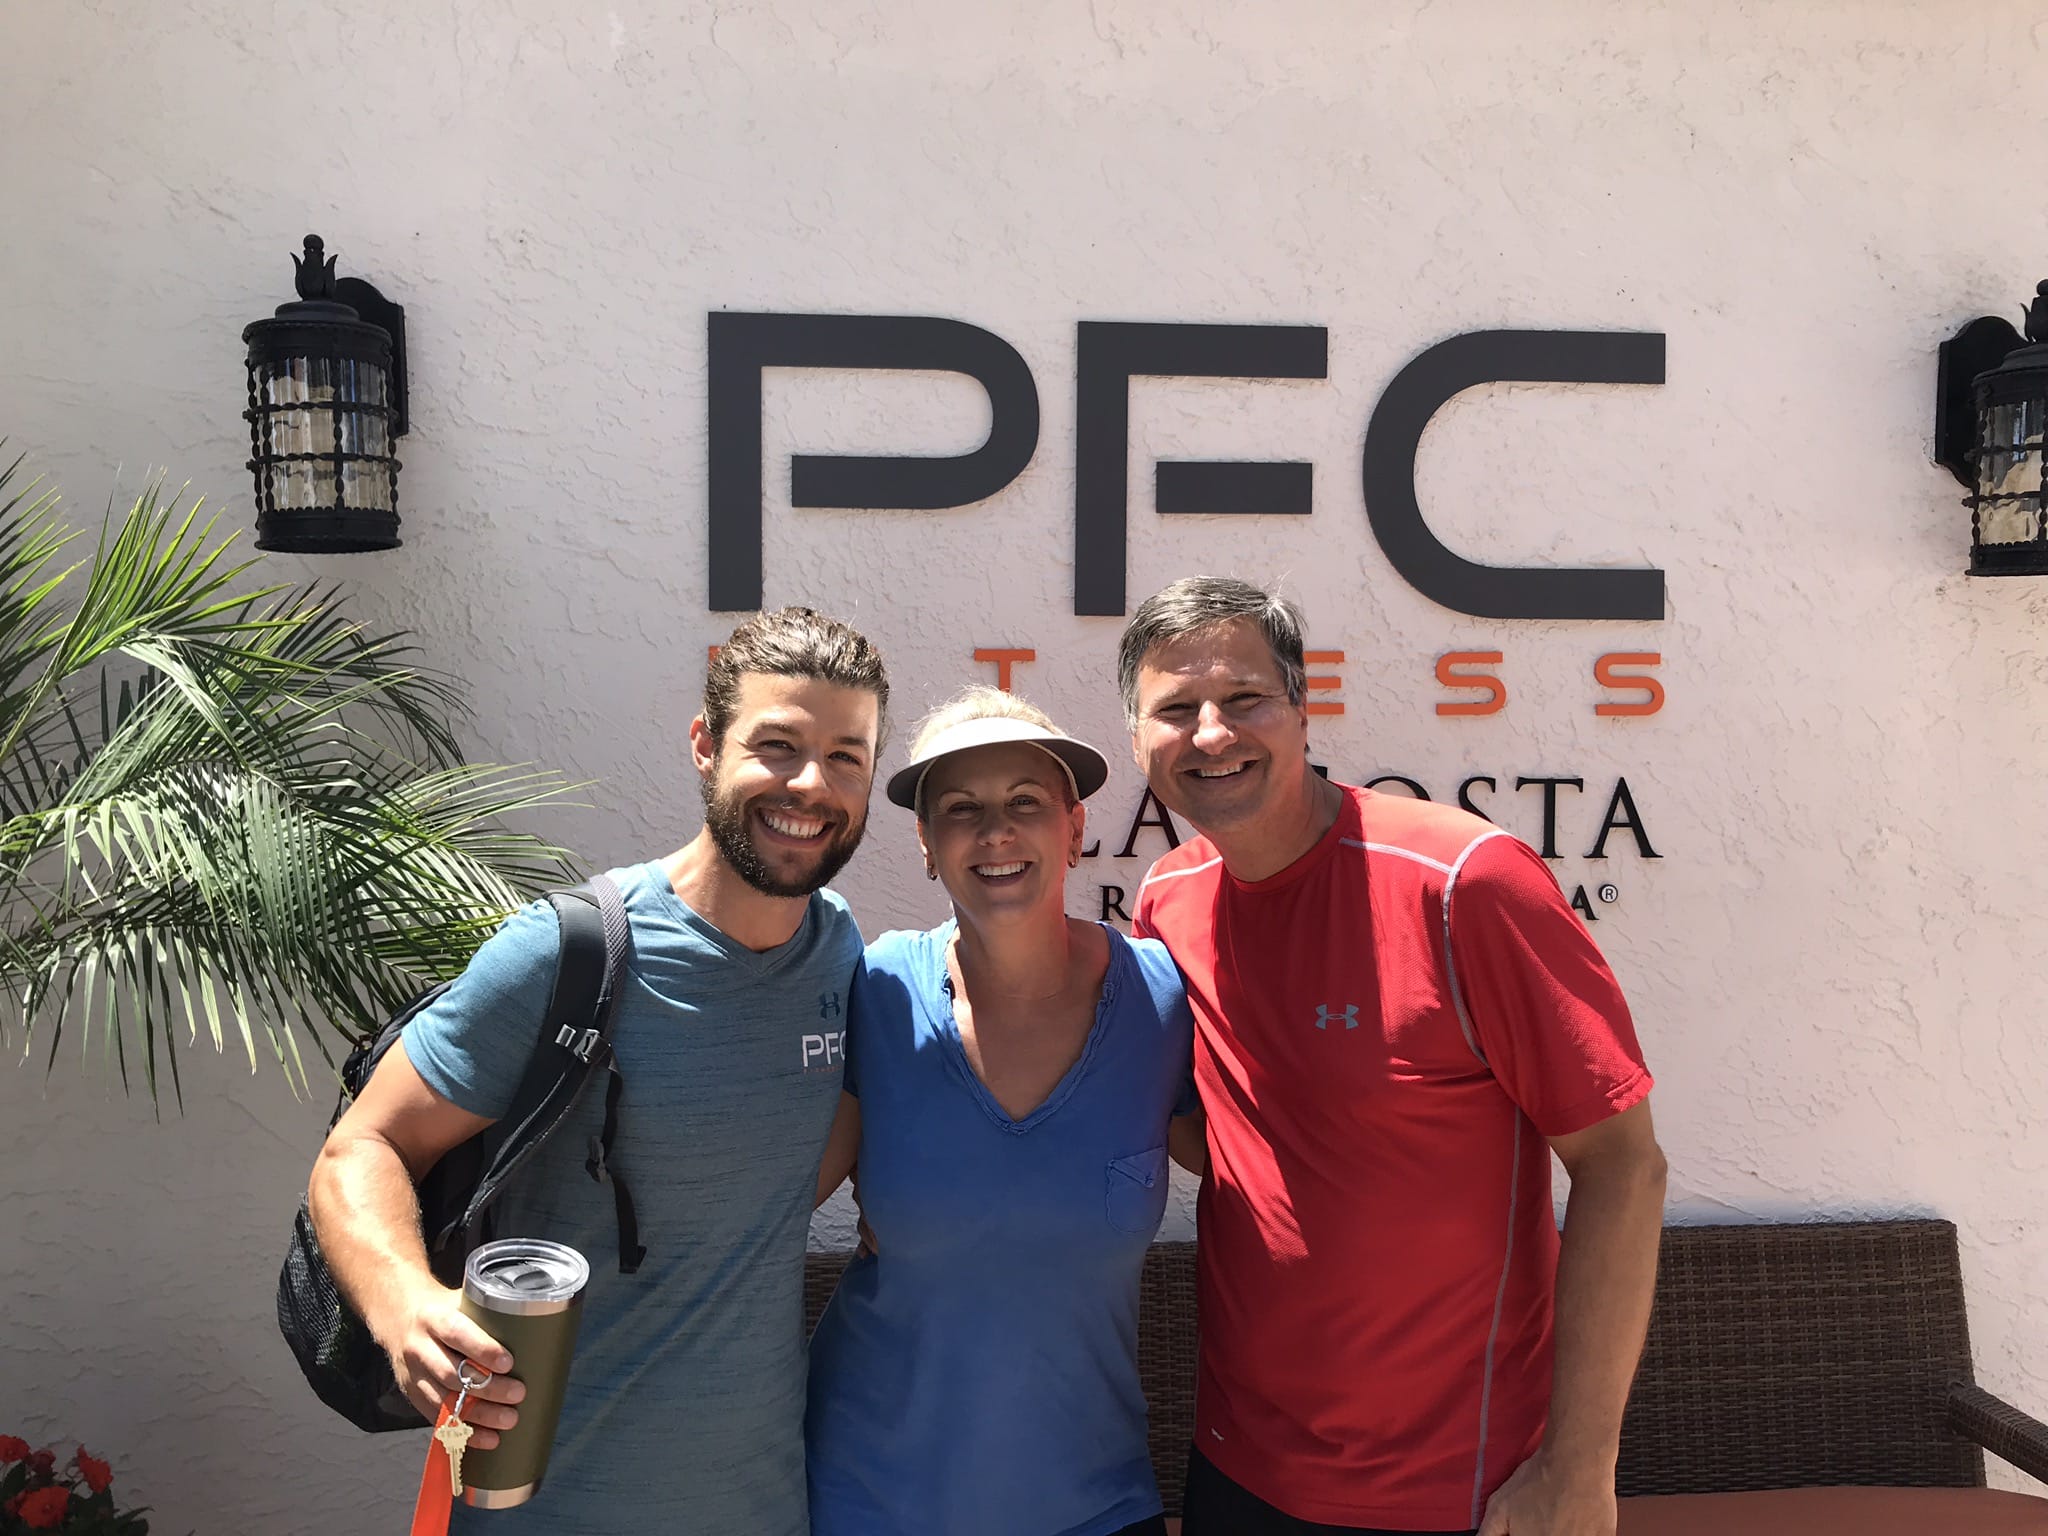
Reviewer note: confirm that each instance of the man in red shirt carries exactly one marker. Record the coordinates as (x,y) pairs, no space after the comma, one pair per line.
(1398,1020)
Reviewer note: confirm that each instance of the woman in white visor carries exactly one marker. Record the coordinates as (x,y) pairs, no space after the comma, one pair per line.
(1011,1079)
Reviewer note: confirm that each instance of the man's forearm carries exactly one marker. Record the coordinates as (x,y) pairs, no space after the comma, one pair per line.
(367,1217)
(1606,1273)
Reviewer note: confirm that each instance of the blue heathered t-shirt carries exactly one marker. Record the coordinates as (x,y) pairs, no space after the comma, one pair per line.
(980,1371)
(685,1404)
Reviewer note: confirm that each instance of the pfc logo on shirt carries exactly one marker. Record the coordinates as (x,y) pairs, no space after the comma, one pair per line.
(824,1051)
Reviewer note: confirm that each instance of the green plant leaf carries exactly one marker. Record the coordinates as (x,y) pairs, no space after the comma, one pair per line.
(224,806)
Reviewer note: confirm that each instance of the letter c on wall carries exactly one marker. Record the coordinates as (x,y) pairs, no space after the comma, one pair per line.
(1423,388)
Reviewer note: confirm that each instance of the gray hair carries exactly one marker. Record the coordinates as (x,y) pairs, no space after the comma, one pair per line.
(1196,604)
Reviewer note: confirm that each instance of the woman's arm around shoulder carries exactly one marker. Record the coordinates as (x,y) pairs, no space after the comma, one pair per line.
(842,1147)
(1187,1133)
(1187,1140)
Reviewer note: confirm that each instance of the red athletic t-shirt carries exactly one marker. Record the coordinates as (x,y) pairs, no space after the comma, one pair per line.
(1385,1033)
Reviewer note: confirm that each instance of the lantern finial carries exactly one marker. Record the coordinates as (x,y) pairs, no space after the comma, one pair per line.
(313,277)
(2037,314)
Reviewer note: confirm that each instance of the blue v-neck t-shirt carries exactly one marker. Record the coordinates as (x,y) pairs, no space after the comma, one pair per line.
(980,1371)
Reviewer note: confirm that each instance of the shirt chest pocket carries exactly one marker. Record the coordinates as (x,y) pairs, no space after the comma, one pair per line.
(1137,1192)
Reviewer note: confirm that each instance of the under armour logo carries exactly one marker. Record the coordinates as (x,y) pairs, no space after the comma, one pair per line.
(828,1005)
(1324,1014)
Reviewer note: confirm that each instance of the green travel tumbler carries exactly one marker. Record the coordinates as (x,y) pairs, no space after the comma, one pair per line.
(528,1295)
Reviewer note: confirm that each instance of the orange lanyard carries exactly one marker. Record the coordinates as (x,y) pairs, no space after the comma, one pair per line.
(430,1513)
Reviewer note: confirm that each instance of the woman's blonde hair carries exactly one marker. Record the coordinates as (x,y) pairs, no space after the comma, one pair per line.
(978,701)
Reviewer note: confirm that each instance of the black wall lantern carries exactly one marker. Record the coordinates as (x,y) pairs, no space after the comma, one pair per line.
(1989,417)
(326,401)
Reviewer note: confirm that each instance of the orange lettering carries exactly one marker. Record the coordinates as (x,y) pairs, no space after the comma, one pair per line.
(1004,660)
(1324,683)
(1605,675)
(1497,691)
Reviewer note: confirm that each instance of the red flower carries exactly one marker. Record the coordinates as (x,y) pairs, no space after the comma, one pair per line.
(97,1474)
(13,1448)
(43,1463)
(43,1509)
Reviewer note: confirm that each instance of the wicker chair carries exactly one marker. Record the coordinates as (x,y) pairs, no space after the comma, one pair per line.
(1824,1355)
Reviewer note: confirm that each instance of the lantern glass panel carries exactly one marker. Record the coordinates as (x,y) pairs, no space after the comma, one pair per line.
(289,382)
(291,485)
(2006,522)
(284,381)
(320,388)
(373,390)
(2009,472)
(351,426)
(366,484)
(2016,424)
(288,433)
(365,431)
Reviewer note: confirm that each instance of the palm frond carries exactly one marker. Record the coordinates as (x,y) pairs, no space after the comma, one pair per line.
(224,807)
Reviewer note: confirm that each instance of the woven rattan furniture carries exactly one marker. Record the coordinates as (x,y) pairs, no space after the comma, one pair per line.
(1789,1356)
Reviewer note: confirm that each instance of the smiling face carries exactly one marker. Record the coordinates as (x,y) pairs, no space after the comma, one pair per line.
(999,829)
(786,791)
(1218,739)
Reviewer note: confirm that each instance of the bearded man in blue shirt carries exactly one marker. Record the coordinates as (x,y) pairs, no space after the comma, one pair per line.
(684,1409)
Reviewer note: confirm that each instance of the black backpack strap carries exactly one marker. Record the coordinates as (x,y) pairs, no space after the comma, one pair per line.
(598,1161)
(599,1166)
(575,1040)
(577,1019)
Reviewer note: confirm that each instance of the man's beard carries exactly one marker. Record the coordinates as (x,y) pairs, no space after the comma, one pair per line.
(725,815)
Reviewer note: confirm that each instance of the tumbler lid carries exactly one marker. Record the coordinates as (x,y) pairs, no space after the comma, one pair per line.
(525,1276)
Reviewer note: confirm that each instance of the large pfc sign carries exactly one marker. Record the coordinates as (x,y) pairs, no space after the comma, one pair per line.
(1107,356)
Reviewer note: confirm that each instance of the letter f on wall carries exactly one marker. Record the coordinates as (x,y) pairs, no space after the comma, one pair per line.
(1107,356)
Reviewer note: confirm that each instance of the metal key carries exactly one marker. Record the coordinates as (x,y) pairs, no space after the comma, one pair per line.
(452,1432)
(454,1436)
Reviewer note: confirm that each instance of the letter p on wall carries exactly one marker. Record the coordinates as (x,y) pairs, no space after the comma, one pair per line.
(742,345)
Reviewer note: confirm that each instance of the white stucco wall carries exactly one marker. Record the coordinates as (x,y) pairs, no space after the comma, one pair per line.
(1835,964)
